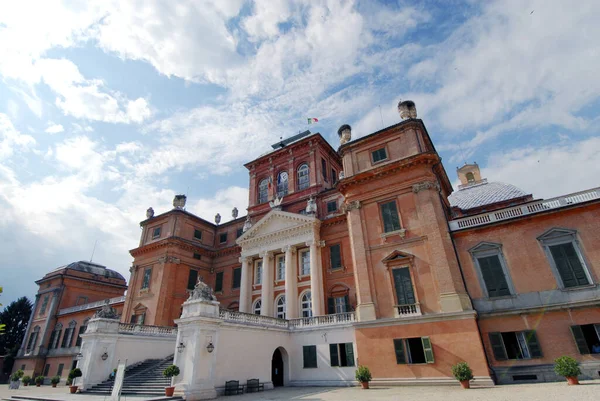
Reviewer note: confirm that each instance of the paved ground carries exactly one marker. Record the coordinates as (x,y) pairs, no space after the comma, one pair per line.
(588,390)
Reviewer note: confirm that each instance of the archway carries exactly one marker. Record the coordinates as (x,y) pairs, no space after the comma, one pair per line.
(279,364)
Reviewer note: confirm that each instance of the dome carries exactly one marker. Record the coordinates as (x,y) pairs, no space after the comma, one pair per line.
(484,193)
(91,268)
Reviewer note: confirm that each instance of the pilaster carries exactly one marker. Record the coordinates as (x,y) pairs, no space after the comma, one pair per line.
(246,285)
(267,300)
(291,282)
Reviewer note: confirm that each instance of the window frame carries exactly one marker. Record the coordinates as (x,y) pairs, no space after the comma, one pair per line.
(299,182)
(221,242)
(156,232)
(257,305)
(190,277)
(260,189)
(311,352)
(233,274)
(337,361)
(219,290)
(324,169)
(145,285)
(278,269)
(500,353)
(334,178)
(559,236)
(488,249)
(197,256)
(387,202)
(257,272)
(403,355)
(282,314)
(341,266)
(308,309)
(379,148)
(334,202)
(301,270)
(281,192)
(196,231)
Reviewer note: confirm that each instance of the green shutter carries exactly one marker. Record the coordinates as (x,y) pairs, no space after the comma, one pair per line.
(333,355)
(335,256)
(399,349)
(404,288)
(349,354)
(346,303)
(498,346)
(309,356)
(427,349)
(580,340)
(568,265)
(389,213)
(533,344)
(493,276)
(237,277)
(330,306)
(192,279)
(52,335)
(219,282)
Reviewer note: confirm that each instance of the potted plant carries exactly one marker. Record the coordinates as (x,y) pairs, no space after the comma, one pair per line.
(26,380)
(72,376)
(14,380)
(39,381)
(567,367)
(363,375)
(170,371)
(463,373)
(55,380)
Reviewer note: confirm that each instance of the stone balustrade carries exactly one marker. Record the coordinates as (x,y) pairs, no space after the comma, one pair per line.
(324,320)
(142,330)
(304,322)
(408,310)
(261,320)
(91,305)
(524,210)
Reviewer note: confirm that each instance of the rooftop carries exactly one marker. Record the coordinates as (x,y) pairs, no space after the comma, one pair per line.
(483,193)
(92,268)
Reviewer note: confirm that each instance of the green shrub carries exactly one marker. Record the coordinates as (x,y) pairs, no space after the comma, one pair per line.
(55,380)
(14,377)
(171,371)
(69,381)
(39,380)
(26,379)
(20,373)
(363,374)
(461,371)
(75,373)
(566,366)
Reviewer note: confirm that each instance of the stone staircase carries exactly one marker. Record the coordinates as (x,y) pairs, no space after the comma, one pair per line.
(142,379)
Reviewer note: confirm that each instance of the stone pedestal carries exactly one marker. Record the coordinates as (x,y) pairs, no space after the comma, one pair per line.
(98,351)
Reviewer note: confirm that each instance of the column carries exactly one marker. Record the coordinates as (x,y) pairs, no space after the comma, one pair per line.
(266,308)
(291,282)
(246,285)
(315,279)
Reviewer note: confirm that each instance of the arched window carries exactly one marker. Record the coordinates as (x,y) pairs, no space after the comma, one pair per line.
(256,307)
(303,179)
(280,307)
(470,177)
(82,330)
(263,191)
(33,339)
(282,184)
(306,304)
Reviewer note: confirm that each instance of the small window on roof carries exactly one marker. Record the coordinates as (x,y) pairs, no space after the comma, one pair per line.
(470,177)
(156,232)
(379,155)
(198,234)
(222,238)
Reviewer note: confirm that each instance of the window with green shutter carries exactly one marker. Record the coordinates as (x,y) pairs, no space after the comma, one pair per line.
(427,349)
(417,350)
(515,345)
(335,256)
(309,353)
(379,155)
(587,338)
(192,279)
(569,265)
(498,346)
(237,278)
(219,282)
(341,354)
(334,355)
(404,287)
(399,350)
(389,215)
(493,276)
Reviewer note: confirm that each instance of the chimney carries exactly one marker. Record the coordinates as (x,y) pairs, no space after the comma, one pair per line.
(345,133)
(407,109)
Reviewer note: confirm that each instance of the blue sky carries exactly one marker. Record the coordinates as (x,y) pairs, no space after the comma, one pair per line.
(109,107)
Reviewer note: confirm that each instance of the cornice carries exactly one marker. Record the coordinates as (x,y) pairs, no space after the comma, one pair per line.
(184,244)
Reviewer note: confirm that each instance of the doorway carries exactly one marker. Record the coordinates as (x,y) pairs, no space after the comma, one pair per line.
(277,369)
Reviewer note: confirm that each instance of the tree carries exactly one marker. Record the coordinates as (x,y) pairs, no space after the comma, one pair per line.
(2,326)
(15,316)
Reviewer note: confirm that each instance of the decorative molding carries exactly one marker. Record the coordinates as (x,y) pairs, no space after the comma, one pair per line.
(169,259)
(133,268)
(266,255)
(291,248)
(352,205)
(321,244)
(421,186)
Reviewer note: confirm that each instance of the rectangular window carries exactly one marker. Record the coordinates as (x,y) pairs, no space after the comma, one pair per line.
(333,176)
(414,350)
(146,278)
(281,268)
(405,294)
(239,232)
(335,256)
(338,304)
(32,340)
(258,272)
(324,169)
(379,155)
(61,367)
(219,282)
(515,345)
(332,206)
(222,238)
(44,305)
(305,263)
(237,278)
(67,338)
(493,276)
(192,279)
(568,264)
(156,232)
(54,339)
(46,369)
(198,234)
(197,256)
(309,353)
(389,213)
(82,330)
(341,354)
(587,338)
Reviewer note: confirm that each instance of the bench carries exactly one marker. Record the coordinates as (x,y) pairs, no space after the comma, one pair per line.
(254,385)
(233,387)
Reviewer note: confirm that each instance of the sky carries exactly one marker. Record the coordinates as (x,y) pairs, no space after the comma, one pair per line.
(110,107)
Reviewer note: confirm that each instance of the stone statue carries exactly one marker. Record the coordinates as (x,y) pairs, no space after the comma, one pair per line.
(150,213)
(217,218)
(247,224)
(179,201)
(202,292)
(407,109)
(345,134)
(311,206)
(106,312)
(276,203)
(234,213)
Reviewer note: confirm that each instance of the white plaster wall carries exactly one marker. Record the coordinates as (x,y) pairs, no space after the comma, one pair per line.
(139,348)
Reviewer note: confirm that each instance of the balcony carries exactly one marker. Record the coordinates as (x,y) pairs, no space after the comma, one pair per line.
(320,321)
(63,351)
(408,310)
(524,210)
(292,324)
(150,331)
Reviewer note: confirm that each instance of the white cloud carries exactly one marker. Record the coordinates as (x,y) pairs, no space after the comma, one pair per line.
(266,17)
(11,139)
(223,203)
(54,128)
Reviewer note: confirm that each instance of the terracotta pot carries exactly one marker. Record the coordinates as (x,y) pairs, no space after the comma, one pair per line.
(53,384)
(465,384)
(37,385)
(572,380)
(365,385)
(72,389)
(169,391)
(26,384)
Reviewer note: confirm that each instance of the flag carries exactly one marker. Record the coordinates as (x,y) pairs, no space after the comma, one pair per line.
(270,183)
(313,120)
